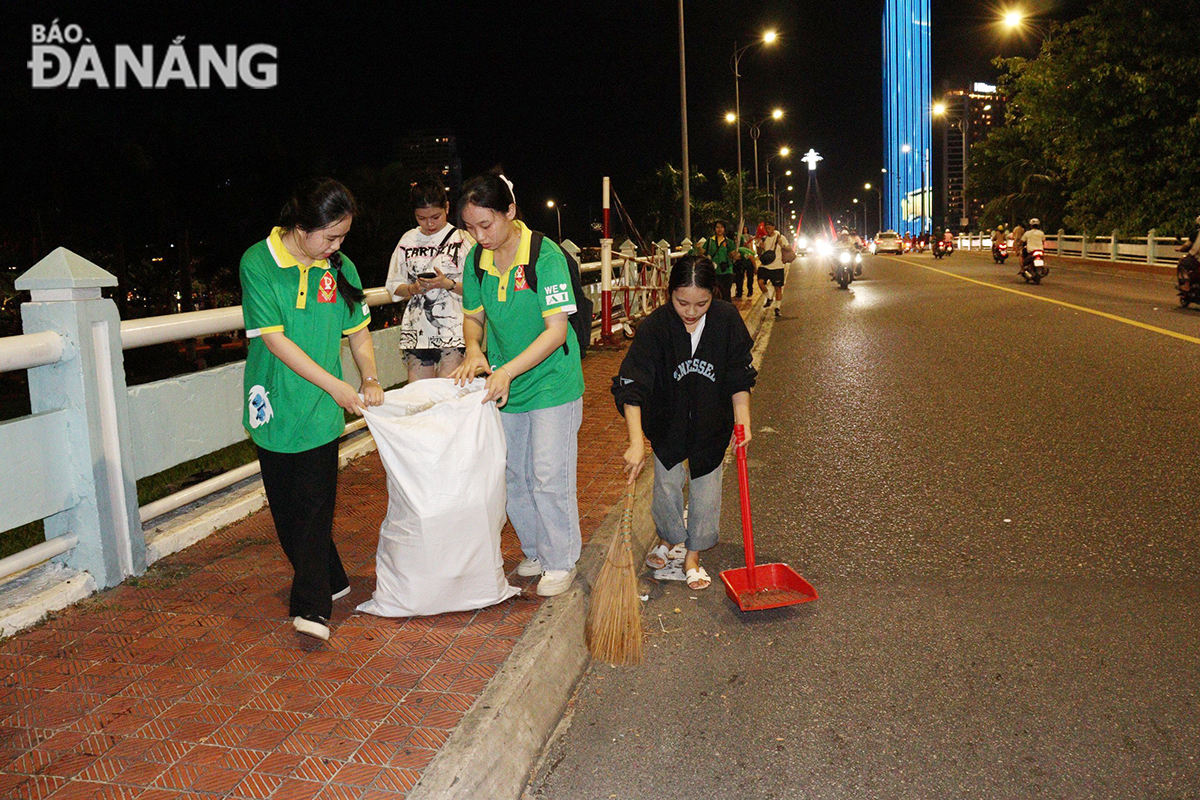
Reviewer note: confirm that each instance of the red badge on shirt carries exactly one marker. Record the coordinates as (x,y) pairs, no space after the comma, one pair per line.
(327,292)
(521,283)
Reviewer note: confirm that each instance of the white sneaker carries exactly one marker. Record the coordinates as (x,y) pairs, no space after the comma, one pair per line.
(529,568)
(555,581)
(341,594)
(314,627)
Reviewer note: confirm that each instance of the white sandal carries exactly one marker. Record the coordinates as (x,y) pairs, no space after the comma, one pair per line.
(678,551)
(657,557)
(697,575)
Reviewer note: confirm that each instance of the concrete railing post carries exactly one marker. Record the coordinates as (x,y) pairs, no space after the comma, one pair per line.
(1114,246)
(1058,243)
(1152,246)
(1083,244)
(660,279)
(89,383)
(571,248)
(686,245)
(628,274)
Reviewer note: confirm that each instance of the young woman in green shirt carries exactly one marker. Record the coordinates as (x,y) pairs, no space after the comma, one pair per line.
(533,373)
(300,296)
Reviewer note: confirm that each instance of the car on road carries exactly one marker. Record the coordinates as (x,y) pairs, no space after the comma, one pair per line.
(889,242)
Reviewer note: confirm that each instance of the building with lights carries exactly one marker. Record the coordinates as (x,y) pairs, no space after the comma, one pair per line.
(432,150)
(970,115)
(907,124)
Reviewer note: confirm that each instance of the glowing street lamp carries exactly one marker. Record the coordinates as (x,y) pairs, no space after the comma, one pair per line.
(879,192)
(557,213)
(767,38)
(1013,19)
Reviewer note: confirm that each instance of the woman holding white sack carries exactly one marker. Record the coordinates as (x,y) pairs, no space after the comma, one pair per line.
(439,545)
(524,298)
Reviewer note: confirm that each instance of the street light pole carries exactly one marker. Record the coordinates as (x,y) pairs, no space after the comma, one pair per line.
(737,110)
(557,213)
(767,38)
(687,199)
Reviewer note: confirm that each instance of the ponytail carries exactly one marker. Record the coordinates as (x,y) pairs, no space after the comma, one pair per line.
(349,292)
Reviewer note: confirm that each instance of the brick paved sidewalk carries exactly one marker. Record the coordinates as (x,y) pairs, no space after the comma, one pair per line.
(189,681)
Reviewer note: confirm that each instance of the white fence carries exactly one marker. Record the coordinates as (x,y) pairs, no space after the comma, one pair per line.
(76,459)
(1150,249)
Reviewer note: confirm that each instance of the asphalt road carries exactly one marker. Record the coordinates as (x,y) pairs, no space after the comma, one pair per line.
(997,498)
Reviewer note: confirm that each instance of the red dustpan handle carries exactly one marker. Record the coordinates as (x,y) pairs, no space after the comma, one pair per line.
(739,433)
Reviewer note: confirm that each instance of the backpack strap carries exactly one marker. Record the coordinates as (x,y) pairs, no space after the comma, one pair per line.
(446,238)
(478,269)
(535,249)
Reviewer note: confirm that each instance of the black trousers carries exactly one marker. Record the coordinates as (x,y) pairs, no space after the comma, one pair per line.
(301,488)
(724,283)
(740,269)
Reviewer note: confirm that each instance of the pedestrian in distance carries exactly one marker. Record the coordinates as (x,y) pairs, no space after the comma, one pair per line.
(770,265)
(524,298)
(745,265)
(683,384)
(427,271)
(720,249)
(300,296)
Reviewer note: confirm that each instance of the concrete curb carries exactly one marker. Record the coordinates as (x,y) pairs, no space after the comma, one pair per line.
(499,741)
(494,748)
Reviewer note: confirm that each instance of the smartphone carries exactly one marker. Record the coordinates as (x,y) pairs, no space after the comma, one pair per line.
(427,275)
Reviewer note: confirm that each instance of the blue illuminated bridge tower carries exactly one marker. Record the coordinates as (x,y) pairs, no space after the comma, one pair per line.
(907,186)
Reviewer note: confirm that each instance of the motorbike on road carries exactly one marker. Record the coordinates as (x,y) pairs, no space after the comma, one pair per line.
(1000,252)
(846,266)
(1187,281)
(1033,266)
(942,248)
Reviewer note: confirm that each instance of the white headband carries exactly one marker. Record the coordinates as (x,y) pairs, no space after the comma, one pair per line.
(509,184)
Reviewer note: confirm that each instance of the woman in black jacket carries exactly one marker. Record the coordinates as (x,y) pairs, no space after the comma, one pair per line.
(684,382)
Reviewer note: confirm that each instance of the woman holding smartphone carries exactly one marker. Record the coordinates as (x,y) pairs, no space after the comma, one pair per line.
(426,270)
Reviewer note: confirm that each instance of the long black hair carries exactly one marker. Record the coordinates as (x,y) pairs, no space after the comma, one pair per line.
(318,203)
(693,270)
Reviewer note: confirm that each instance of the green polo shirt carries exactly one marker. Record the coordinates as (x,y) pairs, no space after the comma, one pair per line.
(283,412)
(719,253)
(516,316)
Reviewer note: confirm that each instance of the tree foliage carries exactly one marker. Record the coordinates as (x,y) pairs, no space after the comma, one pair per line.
(1103,128)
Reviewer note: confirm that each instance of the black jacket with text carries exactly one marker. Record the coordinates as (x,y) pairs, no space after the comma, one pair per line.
(687,410)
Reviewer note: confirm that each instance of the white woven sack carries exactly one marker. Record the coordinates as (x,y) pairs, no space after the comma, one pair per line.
(439,546)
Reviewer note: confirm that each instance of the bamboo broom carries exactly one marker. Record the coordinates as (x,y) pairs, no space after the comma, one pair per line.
(614,624)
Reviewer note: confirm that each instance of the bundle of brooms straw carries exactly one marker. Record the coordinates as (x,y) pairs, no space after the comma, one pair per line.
(614,624)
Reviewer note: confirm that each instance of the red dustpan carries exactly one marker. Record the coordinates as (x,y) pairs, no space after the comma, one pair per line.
(757,587)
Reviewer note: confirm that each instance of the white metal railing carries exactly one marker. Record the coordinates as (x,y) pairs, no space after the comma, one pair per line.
(30,350)
(1150,249)
(27,351)
(37,554)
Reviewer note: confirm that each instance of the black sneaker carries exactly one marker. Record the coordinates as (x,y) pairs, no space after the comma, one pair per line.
(776,311)
(768,303)
(312,625)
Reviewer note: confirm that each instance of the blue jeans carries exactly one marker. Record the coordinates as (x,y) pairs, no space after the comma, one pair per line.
(703,504)
(543,455)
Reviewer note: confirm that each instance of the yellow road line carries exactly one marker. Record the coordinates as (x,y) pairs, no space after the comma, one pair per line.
(1071,306)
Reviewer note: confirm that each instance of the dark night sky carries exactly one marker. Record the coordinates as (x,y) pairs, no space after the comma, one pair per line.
(560,93)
